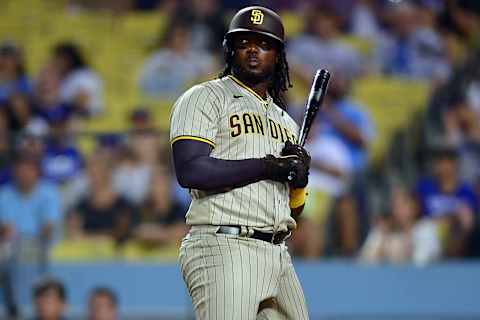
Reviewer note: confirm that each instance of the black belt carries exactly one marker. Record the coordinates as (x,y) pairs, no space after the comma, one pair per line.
(274,238)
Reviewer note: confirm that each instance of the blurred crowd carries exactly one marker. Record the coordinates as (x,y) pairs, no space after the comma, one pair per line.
(418,204)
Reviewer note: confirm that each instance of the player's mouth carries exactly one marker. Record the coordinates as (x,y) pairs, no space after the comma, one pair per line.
(253,62)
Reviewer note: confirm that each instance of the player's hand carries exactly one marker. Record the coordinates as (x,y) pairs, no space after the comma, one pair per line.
(296,149)
(300,179)
(279,169)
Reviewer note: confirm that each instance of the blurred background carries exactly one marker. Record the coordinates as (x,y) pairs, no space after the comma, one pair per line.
(91,215)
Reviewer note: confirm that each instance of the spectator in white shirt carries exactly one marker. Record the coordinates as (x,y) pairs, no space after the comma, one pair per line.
(401,236)
(80,85)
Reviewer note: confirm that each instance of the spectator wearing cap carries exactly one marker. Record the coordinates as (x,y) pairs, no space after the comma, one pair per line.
(49,299)
(445,197)
(102,304)
(80,85)
(61,161)
(13,77)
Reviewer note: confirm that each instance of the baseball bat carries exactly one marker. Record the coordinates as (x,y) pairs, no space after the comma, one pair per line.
(313,104)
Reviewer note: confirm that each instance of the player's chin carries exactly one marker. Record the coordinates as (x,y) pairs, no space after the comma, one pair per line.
(256,73)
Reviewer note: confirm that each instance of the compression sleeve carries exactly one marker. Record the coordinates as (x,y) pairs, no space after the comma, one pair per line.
(196,169)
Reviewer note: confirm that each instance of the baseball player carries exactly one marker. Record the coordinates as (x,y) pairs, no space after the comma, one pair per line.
(234,147)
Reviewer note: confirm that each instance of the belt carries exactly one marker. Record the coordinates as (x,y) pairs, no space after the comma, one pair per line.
(274,238)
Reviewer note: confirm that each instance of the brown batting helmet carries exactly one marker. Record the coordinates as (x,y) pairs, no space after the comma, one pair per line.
(259,20)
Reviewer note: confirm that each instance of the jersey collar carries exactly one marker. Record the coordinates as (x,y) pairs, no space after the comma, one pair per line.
(265,102)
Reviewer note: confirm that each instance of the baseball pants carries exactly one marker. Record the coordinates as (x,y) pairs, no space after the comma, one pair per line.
(228,276)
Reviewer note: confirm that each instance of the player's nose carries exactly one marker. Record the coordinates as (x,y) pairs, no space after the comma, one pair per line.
(252,47)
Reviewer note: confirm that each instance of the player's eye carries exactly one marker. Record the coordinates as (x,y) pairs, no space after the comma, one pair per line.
(265,45)
(243,43)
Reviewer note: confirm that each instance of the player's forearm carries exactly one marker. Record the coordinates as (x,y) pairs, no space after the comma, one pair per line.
(207,173)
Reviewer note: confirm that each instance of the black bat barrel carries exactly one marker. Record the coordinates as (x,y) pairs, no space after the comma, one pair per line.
(315,98)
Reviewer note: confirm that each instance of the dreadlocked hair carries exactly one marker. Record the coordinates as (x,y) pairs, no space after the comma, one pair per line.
(281,78)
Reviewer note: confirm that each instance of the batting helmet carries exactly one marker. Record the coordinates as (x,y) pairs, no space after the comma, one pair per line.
(259,20)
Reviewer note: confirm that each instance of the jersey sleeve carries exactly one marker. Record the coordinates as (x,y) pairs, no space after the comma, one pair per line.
(195,116)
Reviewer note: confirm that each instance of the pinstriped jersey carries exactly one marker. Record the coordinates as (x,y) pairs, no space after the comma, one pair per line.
(238,124)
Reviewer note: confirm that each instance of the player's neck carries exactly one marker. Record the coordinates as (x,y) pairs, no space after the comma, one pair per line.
(260,88)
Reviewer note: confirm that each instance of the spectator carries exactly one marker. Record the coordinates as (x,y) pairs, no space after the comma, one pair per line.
(445,197)
(103,212)
(61,162)
(320,47)
(102,304)
(347,122)
(163,218)
(29,213)
(412,47)
(131,178)
(50,300)
(29,206)
(402,236)
(47,94)
(170,69)
(13,77)
(80,85)
(143,139)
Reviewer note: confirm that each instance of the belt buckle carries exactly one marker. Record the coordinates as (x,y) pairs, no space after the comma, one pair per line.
(282,237)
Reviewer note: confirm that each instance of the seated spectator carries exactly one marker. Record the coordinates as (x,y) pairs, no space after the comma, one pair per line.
(103,212)
(320,47)
(347,122)
(175,65)
(102,304)
(47,94)
(162,218)
(402,236)
(80,86)
(13,78)
(50,300)
(412,47)
(131,178)
(445,197)
(143,139)
(61,162)
(29,206)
